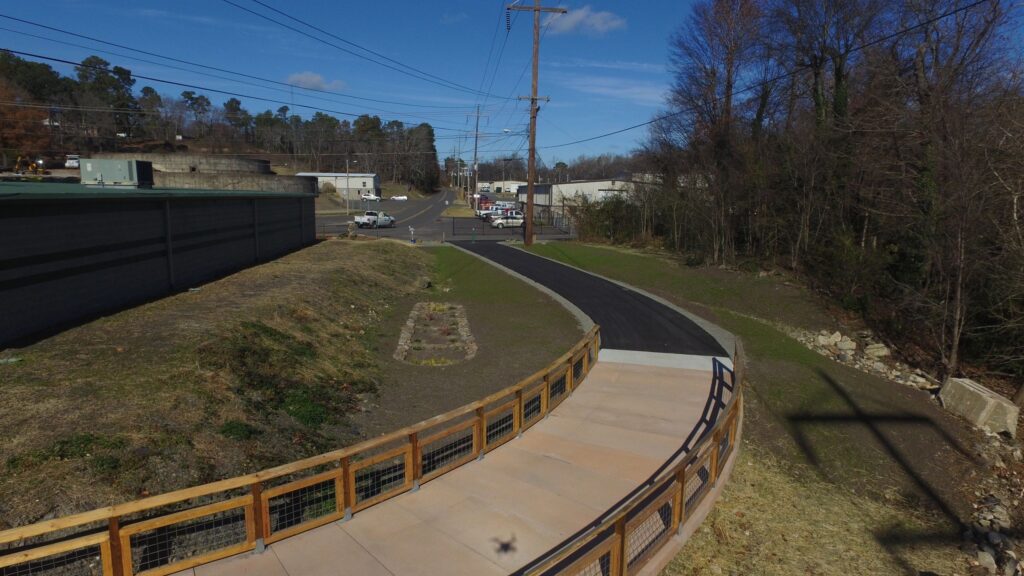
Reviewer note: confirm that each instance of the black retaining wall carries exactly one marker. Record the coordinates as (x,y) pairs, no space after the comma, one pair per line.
(67,260)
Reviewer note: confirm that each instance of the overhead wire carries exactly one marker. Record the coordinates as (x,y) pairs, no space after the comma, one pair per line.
(428,116)
(398,67)
(203,88)
(222,70)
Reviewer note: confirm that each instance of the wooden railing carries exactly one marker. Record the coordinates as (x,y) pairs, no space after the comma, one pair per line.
(171,532)
(622,541)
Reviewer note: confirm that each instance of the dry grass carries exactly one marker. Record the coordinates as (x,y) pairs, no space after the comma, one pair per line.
(774,519)
(256,369)
(458,209)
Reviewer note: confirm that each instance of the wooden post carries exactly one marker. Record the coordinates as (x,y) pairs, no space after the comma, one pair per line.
(681,506)
(518,412)
(716,447)
(350,486)
(117,558)
(417,460)
(258,519)
(545,393)
(480,429)
(620,563)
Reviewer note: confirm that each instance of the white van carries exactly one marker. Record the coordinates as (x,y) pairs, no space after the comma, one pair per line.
(71,161)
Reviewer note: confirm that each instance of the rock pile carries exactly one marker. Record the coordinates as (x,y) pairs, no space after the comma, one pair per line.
(995,553)
(865,353)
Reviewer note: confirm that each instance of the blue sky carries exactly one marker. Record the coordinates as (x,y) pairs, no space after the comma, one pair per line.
(603,64)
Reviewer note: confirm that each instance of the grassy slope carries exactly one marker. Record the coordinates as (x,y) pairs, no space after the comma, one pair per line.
(266,366)
(518,330)
(821,486)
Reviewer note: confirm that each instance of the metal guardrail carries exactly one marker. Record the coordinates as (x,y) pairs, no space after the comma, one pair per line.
(625,538)
(172,532)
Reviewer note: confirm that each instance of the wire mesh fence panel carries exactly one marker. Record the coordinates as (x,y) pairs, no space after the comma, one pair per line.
(724,447)
(304,505)
(85,561)
(600,566)
(577,370)
(448,450)
(593,558)
(590,356)
(531,407)
(647,536)
(698,480)
(501,426)
(180,541)
(375,480)
(557,389)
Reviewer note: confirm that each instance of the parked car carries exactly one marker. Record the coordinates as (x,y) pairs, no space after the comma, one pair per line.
(375,219)
(72,161)
(494,213)
(370,197)
(399,198)
(482,211)
(512,219)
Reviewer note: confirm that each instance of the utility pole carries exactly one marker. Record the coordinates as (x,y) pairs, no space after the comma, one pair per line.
(476,143)
(531,177)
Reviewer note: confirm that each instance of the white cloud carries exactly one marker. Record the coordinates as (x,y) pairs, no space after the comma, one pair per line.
(640,93)
(314,81)
(622,65)
(156,14)
(450,18)
(585,20)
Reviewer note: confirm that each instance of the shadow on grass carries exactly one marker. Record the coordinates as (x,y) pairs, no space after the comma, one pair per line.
(880,427)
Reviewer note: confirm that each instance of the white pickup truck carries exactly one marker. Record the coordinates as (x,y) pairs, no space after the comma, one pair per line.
(375,219)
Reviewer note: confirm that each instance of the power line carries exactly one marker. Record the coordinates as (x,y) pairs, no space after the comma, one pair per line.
(412,71)
(417,115)
(214,68)
(203,88)
(778,77)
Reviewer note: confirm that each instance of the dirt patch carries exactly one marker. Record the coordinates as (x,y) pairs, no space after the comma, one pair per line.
(517,329)
(436,334)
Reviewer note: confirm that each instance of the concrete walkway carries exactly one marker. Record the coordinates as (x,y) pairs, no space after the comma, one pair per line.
(496,515)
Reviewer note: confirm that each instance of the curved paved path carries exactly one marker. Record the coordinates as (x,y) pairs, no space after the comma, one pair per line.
(638,404)
(629,320)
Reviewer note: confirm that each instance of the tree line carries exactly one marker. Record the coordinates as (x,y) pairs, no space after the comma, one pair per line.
(877,147)
(45,113)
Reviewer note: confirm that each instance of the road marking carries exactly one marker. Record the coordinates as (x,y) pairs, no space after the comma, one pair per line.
(434,205)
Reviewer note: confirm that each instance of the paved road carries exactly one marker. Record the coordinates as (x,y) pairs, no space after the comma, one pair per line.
(423,214)
(629,320)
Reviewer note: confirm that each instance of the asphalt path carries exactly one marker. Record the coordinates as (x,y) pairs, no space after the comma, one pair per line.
(629,320)
(424,215)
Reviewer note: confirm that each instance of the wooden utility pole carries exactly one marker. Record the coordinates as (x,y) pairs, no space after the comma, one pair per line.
(476,144)
(531,176)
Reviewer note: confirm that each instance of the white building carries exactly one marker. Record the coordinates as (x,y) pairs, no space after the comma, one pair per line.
(349,185)
(500,186)
(591,190)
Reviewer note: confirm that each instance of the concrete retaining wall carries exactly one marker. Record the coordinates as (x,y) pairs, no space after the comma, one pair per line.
(68,260)
(193,162)
(236,181)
